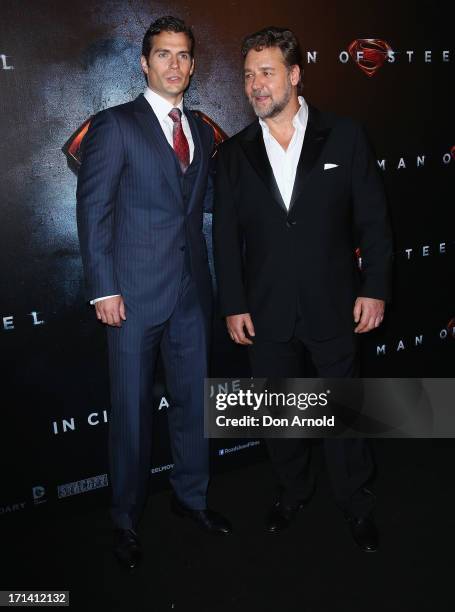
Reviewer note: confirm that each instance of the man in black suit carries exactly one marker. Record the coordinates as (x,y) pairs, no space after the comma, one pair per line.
(296,192)
(140,198)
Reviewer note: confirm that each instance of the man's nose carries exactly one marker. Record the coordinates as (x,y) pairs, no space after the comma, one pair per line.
(174,63)
(257,83)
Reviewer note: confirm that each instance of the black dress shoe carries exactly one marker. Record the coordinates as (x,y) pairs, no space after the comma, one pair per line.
(282,515)
(208,520)
(364,533)
(127,547)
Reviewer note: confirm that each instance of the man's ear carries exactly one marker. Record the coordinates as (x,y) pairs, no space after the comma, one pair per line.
(295,74)
(192,66)
(144,64)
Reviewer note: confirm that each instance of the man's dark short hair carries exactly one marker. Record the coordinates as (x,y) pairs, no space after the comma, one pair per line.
(166,24)
(283,38)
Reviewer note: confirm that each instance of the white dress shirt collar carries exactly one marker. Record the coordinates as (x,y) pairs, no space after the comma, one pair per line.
(284,162)
(160,105)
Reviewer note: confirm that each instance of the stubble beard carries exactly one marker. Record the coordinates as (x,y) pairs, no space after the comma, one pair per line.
(276,107)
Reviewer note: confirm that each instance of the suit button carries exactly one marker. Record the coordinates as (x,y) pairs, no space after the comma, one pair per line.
(291,223)
(182,248)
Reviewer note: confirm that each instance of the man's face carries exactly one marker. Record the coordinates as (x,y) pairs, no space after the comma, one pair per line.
(169,64)
(269,83)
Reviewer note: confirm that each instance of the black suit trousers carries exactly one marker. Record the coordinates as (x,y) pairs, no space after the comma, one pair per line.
(349,461)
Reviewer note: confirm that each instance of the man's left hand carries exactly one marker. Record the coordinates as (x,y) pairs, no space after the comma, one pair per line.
(368,313)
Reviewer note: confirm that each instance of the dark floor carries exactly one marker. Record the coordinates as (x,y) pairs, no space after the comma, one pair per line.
(314,567)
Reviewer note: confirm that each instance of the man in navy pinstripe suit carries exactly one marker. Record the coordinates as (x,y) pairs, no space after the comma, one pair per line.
(141,191)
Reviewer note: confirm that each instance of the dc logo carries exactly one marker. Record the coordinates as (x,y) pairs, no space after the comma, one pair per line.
(38,493)
(221,451)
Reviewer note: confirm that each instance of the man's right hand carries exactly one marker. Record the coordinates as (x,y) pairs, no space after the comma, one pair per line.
(111,311)
(236,325)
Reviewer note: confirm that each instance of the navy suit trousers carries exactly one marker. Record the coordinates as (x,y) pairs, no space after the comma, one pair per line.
(133,351)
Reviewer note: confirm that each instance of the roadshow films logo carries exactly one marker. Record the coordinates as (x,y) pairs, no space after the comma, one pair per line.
(335,407)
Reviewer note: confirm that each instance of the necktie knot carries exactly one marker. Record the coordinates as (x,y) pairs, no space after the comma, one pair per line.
(176,115)
(180,142)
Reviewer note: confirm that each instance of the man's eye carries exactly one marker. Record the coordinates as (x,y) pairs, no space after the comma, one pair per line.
(184,56)
(162,54)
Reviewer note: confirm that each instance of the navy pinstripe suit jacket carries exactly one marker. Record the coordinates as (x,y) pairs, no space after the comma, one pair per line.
(132,221)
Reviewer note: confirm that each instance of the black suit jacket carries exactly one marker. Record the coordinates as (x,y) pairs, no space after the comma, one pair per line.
(272,262)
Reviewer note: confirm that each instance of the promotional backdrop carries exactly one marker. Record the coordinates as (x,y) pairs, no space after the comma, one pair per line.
(387,64)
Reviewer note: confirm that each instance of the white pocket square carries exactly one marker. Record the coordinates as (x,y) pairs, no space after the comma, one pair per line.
(328,166)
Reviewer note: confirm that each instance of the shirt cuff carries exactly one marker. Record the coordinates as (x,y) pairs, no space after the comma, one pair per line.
(103,298)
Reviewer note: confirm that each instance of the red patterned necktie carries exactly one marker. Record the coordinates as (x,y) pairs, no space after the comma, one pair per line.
(181,146)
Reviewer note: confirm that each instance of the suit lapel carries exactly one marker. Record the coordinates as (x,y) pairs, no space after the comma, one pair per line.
(152,130)
(254,148)
(313,143)
(315,138)
(199,150)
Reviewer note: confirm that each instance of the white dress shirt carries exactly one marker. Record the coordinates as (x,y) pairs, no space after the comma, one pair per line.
(284,163)
(161,107)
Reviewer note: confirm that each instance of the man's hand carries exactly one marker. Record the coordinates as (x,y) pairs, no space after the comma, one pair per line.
(368,313)
(236,324)
(111,311)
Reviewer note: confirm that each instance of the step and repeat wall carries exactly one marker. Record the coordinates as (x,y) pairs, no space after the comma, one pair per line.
(387,64)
